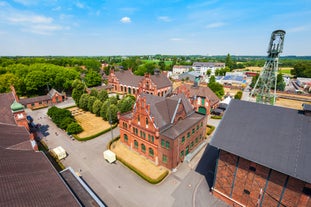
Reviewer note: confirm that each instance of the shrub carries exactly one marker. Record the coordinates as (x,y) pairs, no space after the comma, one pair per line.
(74,128)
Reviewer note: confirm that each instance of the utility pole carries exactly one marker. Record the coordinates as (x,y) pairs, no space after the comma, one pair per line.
(268,76)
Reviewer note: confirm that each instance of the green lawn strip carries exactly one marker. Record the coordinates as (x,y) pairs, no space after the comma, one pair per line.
(216,117)
(211,129)
(94,135)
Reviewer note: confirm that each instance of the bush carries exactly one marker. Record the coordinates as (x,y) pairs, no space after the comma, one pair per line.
(65,122)
(212,128)
(216,117)
(74,128)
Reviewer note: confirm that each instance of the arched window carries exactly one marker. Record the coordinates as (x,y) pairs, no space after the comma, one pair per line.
(151,153)
(143,148)
(147,121)
(121,88)
(135,144)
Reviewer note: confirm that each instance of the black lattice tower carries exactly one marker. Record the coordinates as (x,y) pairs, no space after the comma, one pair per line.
(268,76)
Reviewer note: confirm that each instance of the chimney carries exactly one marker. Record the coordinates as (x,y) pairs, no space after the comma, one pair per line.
(196,81)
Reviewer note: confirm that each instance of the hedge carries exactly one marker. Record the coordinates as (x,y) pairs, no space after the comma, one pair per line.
(112,141)
(216,117)
(142,175)
(212,128)
(94,135)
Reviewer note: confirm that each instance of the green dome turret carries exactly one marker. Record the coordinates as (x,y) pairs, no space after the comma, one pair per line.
(16,106)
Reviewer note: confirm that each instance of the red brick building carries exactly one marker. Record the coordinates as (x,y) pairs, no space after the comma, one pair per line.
(53,97)
(203,99)
(124,81)
(164,130)
(264,156)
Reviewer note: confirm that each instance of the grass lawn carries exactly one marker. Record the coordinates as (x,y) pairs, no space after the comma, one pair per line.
(140,162)
(90,123)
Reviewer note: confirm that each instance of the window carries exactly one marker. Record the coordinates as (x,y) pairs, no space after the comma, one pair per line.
(191,145)
(151,153)
(201,124)
(124,125)
(135,131)
(135,144)
(151,138)
(143,134)
(188,134)
(164,158)
(182,153)
(146,121)
(143,148)
(138,118)
(193,131)
(162,143)
(251,168)
(183,139)
(307,191)
(197,140)
(198,127)
(246,192)
(125,138)
(187,150)
(167,145)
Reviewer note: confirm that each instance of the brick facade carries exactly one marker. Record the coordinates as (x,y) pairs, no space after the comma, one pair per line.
(241,182)
(139,130)
(125,82)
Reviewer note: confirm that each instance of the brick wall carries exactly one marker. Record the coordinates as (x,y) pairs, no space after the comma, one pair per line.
(245,182)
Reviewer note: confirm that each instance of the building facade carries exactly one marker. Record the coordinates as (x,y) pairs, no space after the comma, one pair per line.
(202,98)
(264,156)
(53,97)
(164,130)
(203,67)
(125,82)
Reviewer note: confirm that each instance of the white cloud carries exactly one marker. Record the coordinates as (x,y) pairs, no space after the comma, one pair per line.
(176,39)
(125,20)
(22,18)
(164,18)
(44,29)
(215,25)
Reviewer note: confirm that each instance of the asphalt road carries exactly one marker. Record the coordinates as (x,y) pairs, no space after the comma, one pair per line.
(115,184)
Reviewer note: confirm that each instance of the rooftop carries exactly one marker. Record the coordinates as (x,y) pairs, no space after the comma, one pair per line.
(275,137)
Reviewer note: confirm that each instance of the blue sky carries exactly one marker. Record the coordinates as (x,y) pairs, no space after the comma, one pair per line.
(147,27)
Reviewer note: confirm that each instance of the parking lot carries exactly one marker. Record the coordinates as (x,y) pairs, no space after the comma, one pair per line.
(115,184)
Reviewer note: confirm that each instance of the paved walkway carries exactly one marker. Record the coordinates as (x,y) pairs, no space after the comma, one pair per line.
(115,184)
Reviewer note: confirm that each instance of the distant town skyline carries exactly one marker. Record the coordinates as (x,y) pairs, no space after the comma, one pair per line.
(139,27)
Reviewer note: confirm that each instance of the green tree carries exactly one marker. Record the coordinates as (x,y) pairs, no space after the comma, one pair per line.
(111,114)
(254,80)
(280,83)
(78,90)
(229,62)
(103,95)
(238,95)
(94,93)
(36,83)
(74,128)
(103,109)
(92,78)
(96,107)
(8,79)
(126,104)
(65,122)
(83,102)
(208,73)
(91,100)
(217,88)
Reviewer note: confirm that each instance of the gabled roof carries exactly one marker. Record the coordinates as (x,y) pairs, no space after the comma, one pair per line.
(164,109)
(6,100)
(47,97)
(161,80)
(126,77)
(202,92)
(27,178)
(275,137)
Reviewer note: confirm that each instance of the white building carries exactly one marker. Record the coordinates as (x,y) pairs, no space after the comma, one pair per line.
(180,69)
(203,67)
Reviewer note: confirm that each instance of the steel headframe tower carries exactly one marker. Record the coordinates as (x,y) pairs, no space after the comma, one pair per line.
(268,76)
